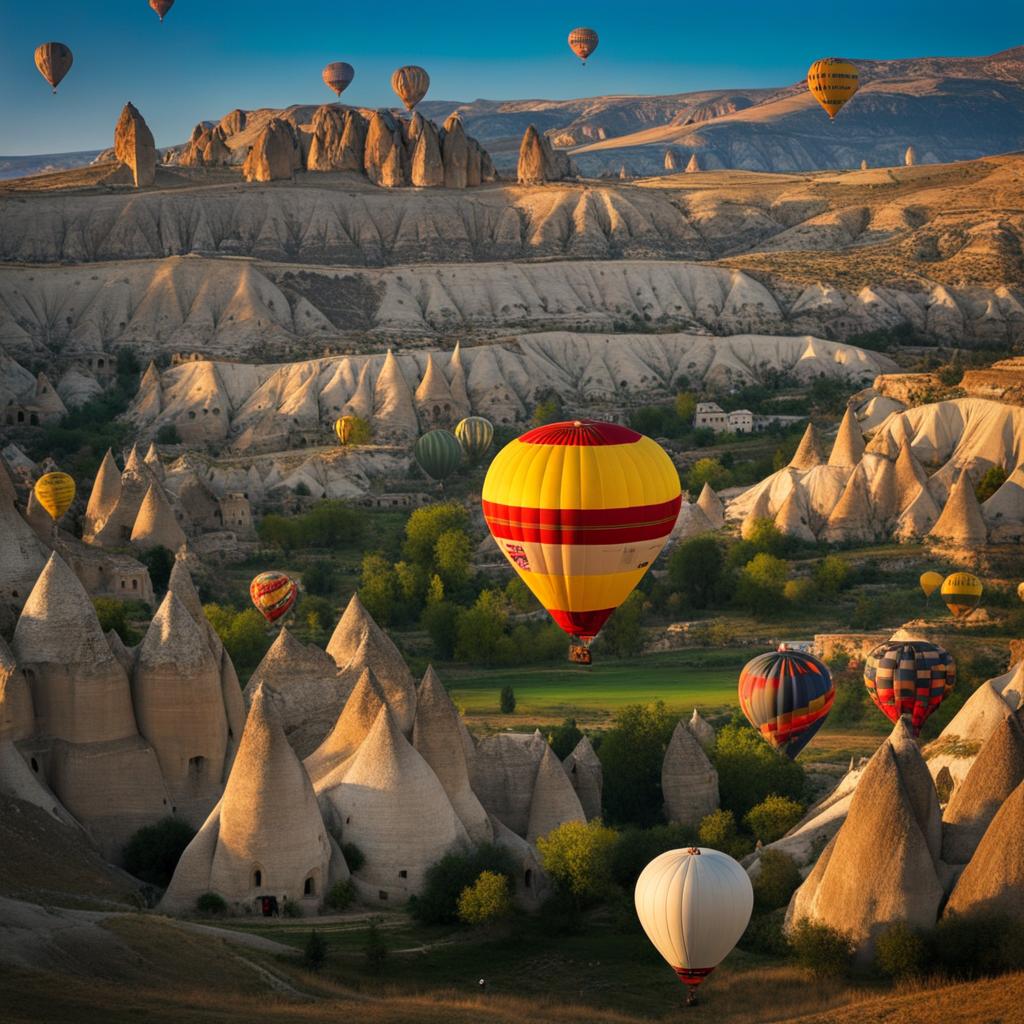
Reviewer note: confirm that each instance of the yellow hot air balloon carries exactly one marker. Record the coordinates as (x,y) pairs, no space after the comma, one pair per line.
(930,582)
(581,510)
(55,492)
(832,82)
(1020,591)
(410,84)
(961,592)
(352,430)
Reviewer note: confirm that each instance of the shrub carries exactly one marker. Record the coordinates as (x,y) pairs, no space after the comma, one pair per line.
(440,620)
(375,949)
(153,852)
(486,900)
(801,593)
(773,817)
(994,478)
(211,903)
(113,615)
(901,952)
(976,945)
(707,471)
(637,847)
(438,900)
(243,633)
(777,880)
(315,952)
(340,896)
(168,434)
(291,908)
(718,831)
(319,578)
(563,738)
(761,584)
(623,634)
(480,629)
(354,857)
(159,562)
(832,574)
(577,858)
(867,613)
(507,700)
(631,755)
(765,934)
(695,569)
(749,770)
(825,952)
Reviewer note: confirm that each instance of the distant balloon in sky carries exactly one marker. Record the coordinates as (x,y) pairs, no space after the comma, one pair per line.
(161,7)
(410,84)
(832,82)
(338,76)
(583,42)
(54,61)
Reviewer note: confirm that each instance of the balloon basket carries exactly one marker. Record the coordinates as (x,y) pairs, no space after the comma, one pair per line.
(580,655)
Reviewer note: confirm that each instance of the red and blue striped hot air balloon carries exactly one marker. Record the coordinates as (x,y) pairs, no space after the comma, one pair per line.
(273,594)
(786,696)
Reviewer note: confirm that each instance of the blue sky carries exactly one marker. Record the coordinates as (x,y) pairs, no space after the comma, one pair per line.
(212,55)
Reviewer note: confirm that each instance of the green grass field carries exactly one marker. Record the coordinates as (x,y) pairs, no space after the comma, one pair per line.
(682,679)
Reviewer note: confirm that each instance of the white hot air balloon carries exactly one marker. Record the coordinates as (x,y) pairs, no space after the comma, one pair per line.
(694,905)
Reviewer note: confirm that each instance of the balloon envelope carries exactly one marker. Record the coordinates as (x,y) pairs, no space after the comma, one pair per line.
(930,582)
(161,6)
(961,593)
(694,906)
(54,61)
(55,492)
(273,594)
(338,76)
(786,696)
(583,42)
(475,434)
(581,510)
(345,428)
(1020,591)
(909,677)
(438,454)
(832,82)
(410,84)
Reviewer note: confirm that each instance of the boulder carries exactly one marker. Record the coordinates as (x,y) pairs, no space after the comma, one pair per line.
(455,149)
(539,161)
(275,156)
(134,146)
(384,157)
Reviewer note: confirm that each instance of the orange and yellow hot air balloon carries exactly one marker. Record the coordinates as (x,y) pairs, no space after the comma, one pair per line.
(583,42)
(55,492)
(581,510)
(832,81)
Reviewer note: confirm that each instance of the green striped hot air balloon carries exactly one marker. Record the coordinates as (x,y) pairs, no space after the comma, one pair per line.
(438,453)
(475,434)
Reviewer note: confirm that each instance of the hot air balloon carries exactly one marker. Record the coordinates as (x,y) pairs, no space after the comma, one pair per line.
(694,906)
(581,510)
(273,594)
(930,582)
(410,84)
(161,7)
(348,429)
(786,696)
(338,76)
(961,593)
(583,42)
(909,677)
(55,492)
(54,61)
(475,435)
(1020,591)
(438,454)
(832,82)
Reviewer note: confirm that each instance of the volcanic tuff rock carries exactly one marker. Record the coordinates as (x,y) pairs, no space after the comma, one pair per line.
(276,155)
(266,836)
(554,802)
(539,161)
(689,783)
(587,777)
(503,776)
(134,146)
(262,407)
(206,148)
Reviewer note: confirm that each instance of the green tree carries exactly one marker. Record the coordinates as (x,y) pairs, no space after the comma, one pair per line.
(159,562)
(707,471)
(452,554)
(340,896)
(379,588)
(276,531)
(315,951)
(825,952)
(168,434)
(441,620)
(319,578)
(686,407)
(761,584)
(375,949)
(113,615)
(994,478)
(153,852)
(718,832)
(425,526)
(547,410)
(438,900)
(631,755)
(480,629)
(832,574)
(485,901)
(749,770)
(777,879)
(901,952)
(695,570)
(773,817)
(637,847)
(360,431)
(507,700)
(801,593)
(577,857)
(623,633)
(563,738)
(243,633)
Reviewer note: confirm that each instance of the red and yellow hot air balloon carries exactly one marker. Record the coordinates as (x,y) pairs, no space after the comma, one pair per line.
(581,510)
(583,42)
(832,81)
(274,594)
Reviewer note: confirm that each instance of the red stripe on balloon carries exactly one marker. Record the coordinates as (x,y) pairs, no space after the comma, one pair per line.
(581,433)
(585,625)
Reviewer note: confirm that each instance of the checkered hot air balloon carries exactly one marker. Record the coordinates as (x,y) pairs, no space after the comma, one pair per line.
(581,510)
(909,677)
(786,696)
(961,593)
(273,594)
